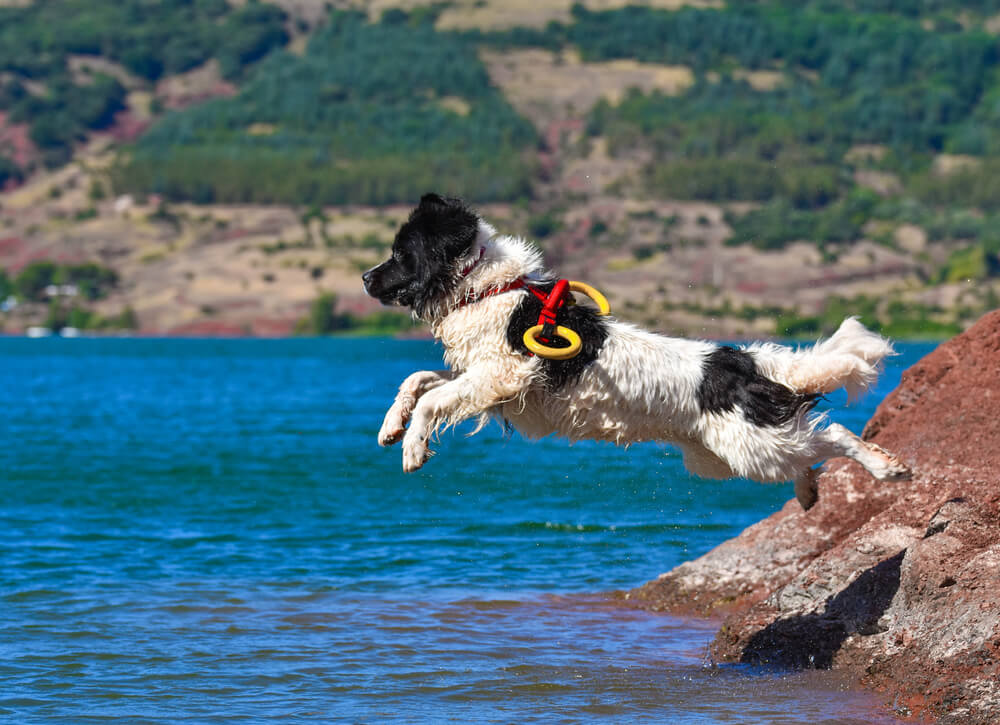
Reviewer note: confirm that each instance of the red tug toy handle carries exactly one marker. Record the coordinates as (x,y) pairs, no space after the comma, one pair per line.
(547,317)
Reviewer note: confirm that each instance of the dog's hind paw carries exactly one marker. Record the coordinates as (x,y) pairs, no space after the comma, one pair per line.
(807,488)
(898,471)
(892,469)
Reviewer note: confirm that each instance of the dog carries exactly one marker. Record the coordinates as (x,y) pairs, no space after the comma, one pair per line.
(733,411)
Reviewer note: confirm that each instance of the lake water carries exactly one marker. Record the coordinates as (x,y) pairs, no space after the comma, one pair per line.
(206,531)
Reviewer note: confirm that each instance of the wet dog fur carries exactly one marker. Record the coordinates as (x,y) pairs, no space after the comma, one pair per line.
(733,411)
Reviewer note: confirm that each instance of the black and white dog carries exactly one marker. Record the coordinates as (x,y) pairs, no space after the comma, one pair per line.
(732,411)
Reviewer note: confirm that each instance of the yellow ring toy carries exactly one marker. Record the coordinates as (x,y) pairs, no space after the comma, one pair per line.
(553,353)
(602,302)
(565,353)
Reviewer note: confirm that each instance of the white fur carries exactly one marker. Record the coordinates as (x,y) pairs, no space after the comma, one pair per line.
(642,387)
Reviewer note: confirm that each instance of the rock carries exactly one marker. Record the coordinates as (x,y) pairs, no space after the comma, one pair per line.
(897,584)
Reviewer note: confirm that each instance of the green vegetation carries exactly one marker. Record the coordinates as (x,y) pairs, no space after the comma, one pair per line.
(82,318)
(968,264)
(978,187)
(907,78)
(149,39)
(896,319)
(347,122)
(323,319)
(544,224)
(777,223)
(9,171)
(92,281)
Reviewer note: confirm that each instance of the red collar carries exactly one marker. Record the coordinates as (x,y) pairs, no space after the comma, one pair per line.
(519,283)
(474,296)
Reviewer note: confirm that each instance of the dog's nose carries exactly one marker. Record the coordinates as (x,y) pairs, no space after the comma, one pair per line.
(367,279)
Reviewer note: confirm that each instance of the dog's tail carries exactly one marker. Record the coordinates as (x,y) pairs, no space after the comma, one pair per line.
(850,359)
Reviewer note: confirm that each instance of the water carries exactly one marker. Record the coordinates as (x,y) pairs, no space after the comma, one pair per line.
(206,531)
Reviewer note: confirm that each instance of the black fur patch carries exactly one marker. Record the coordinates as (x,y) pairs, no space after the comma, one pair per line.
(591,327)
(730,379)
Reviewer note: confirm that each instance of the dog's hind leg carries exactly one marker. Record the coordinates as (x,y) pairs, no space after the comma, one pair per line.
(836,440)
(806,490)
(398,415)
(702,462)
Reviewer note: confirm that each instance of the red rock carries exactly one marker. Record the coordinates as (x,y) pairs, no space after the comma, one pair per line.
(896,584)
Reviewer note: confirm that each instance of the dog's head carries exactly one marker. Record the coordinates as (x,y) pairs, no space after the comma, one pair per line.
(427,255)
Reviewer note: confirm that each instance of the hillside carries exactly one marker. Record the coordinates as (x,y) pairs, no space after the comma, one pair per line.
(717,169)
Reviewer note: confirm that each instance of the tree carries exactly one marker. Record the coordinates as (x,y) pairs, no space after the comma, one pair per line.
(323,318)
(30,284)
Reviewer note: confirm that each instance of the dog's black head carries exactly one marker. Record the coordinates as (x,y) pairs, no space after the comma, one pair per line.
(425,254)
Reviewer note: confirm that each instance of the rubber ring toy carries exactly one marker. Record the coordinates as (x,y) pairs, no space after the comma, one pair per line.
(575,344)
(602,302)
(553,353)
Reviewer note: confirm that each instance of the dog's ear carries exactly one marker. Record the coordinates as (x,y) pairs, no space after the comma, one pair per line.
(446,223)
(431,199)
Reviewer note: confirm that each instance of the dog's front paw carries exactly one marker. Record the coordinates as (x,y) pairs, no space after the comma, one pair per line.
(393,428)
(415,453)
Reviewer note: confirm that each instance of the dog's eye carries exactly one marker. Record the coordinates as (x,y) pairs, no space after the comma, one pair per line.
(403,258)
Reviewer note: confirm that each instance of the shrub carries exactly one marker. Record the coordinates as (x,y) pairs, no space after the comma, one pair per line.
(323,318)
(30,284)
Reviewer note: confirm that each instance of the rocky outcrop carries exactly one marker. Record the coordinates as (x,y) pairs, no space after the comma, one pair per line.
(895,583)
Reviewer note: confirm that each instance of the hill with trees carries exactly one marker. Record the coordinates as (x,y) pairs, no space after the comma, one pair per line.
(813,134)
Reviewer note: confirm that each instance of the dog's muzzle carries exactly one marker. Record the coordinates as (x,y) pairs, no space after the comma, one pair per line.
(388,284)
(367,278)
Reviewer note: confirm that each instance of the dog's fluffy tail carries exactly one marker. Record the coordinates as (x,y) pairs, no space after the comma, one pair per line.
(851,359)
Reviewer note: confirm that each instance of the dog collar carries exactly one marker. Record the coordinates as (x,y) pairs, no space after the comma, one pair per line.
(474,296)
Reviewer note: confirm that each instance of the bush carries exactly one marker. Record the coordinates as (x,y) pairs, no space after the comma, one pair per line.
(778,223)
(30,284)
(972,187)
(92,280)
(966,265)
(323,318)
(248,35)
(544,225)
(9,171)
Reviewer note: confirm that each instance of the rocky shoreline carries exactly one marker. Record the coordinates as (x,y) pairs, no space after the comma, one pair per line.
(895,584)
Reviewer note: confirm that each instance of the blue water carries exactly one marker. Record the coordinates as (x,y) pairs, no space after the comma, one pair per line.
(206,531)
